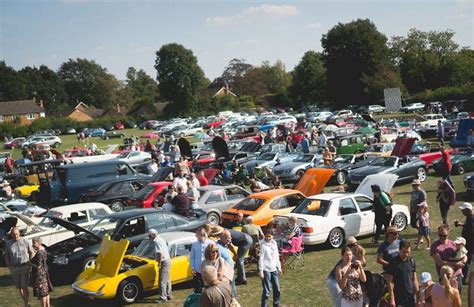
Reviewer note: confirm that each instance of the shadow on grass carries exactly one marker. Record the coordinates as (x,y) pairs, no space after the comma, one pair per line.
(6,280)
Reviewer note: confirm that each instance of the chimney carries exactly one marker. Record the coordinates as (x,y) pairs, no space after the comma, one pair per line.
(118,108)
(41,104)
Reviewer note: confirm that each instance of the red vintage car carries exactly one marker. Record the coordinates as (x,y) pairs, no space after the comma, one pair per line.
(119,126)
(77,152)
(428,153)
(202,158)
(146,196)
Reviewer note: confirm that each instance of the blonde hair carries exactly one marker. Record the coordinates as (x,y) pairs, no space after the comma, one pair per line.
(208,252)
(446,274)
(359,253)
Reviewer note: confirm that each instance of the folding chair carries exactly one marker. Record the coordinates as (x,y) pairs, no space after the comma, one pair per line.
(293,254)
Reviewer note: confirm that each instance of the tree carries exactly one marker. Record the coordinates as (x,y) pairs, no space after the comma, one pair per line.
(87,81)
(179,77)
(141,86)
(234,74)
(309,81)
(276,78)
(355,53)
(12,85)
(44,84)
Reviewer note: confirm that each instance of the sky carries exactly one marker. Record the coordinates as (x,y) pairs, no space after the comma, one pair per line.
(123,33)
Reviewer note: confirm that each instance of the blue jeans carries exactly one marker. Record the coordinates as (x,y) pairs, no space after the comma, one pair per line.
(270,278)
(241,252)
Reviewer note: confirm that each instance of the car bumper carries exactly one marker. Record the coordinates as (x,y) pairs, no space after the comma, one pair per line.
(315,238)
(87,293)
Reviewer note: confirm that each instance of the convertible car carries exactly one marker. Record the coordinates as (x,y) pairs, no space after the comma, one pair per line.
(127,277)
(462,162)
(295,169)
(332,217)
(345,163)
(269,159)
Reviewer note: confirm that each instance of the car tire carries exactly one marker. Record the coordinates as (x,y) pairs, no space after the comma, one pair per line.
(341,177)
(421,174)
(460,169)
(299,174)
(336,238)
(117,206)
(129,290)
(213,218)
(56,145)
(400,220)
(89,262)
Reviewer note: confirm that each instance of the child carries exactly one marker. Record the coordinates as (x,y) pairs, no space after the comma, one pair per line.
(461,251)
(167,206)
(269,268)
(423,218)
(426,285)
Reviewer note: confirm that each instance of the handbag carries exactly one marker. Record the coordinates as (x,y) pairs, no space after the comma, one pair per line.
(233,301)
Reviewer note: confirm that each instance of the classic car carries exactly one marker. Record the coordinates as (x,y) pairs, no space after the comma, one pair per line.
(469,184)
(296,168)
(112,193)
(94,132)
(246,131)
(427,152)
(413,107)
(27,191)
(215,199)
(269,159)
(345,163)
(264,205)
(151,135)
(77,152)
(462,162)
(148,195)
(332,217)
(127,277)
(66,259)
(379,149)
(112,135)
(351,144)
(119,126)
(134,158)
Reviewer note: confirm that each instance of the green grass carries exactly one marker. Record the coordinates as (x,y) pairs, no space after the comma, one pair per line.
(304,286)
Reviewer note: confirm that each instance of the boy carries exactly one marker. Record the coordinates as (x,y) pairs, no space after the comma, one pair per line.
(269,267)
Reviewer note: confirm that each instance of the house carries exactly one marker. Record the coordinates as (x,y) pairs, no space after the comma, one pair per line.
(224,91)
(21,111)
(83,113)
(145,110)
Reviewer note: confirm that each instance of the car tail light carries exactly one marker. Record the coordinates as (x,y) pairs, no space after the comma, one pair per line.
(307,229)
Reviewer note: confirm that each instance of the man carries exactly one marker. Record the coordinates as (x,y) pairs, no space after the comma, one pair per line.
(468,234)
(160,157)
(401,278)
(269,267)
(418,196)
(388,250)
(180,180)
(447,166)
(197,256)
(440,131)
(18,252)
(154,166)
(254,231)
(322,139)
(382,210)
(239,222)
(305,144)
(218,294)
(181,202)
(202,179)
(257,186)
(195,180)
(223,244)
(442,250)
(243,242)
(162,256)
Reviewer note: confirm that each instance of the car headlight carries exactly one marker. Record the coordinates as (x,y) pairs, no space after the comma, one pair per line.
(62,260)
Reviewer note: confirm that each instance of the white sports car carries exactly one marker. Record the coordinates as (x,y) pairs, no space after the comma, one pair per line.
(332,217)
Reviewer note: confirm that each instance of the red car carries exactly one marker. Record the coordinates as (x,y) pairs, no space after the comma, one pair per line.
(15,143)
(146,196)
(77,152)
(202,158)
(119,126)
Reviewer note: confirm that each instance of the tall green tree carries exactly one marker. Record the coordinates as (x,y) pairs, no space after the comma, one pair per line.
(355,54)
(86,81)
(142,86)
(276,78)
(46,85)
(12,85)
(309,81)
(179,78)
(234,74)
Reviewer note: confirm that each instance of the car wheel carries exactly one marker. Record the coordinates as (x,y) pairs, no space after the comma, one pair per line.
(460,169)
(129,290)
(213,218)
(299,174)
(421,174)
(106,138)
(400,220)
(89,262)
(117,206)
(341,177)
(56,145)
(336,238)
(34,196)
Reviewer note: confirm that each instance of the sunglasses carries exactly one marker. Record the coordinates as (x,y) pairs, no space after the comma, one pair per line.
(442,236)
(214,252)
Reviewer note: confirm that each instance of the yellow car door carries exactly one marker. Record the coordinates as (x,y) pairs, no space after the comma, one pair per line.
(180,265)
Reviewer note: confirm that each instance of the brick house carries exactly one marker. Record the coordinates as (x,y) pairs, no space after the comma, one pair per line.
(84,113)
(23,112)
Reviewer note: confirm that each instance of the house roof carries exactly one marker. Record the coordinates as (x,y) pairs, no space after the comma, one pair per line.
(94,112)
(19,107)
(224,90)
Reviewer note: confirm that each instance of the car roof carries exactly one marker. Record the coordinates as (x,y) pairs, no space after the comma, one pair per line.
(169,237)
(132,213)
(333,196)
(79,207)
(79,165)
(274,192)
(212,187)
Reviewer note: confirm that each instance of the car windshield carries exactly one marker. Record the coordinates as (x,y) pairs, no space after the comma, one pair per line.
(313,207)
(46,222)
(249,204)
(4,155)
(389,161)
(105,226)
(343,159)
(123,155)
(303,158)
(267,156)
(145,192)
(146,249)
(376,148)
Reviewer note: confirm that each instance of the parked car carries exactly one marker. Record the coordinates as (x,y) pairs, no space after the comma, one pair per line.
(134,158)
(119,126)
(131,273)
(296,168)
(351,144)
(462,162)
(379,149)
(375,108)
(332,217)
(469,184)
(14,143)
(344,164)
(269,159)
(148,195)
(112,135)
(66,259)
(413,107)
(95,132)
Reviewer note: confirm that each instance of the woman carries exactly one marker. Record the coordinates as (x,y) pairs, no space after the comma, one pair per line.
(39,274)
(213,258)
(349,277)
(444,294)
(445,198)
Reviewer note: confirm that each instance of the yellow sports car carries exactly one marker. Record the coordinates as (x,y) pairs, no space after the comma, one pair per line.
(27,191)
(127,277)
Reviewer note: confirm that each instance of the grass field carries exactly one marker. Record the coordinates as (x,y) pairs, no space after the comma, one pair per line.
(304,286)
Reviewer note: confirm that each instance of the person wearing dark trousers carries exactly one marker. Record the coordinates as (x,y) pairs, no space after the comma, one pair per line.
(269,267)
(446,198)
(468,234)
(382,210)
(418,196)
(243,242)
(197,256)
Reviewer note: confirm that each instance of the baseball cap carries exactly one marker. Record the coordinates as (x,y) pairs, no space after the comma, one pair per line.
(460,240)
(425,277)
(466,206)
(153,231)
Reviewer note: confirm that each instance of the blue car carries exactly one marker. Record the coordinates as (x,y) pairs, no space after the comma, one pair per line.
(95,132)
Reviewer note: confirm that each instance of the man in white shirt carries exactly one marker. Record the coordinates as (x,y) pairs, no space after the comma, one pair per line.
(162,256)
(161,157)
(269,267)
(181,181)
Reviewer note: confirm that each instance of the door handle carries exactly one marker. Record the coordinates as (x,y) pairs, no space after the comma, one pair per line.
(342,218)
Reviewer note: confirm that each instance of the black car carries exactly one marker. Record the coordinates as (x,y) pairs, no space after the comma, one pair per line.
(346,163)
(111,193)
(469,184)
(68,258)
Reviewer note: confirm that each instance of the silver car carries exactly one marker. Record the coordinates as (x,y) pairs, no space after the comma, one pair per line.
(215,199)
(297,167)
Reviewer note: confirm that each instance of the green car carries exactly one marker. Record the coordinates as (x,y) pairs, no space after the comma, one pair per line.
(351,144)
(113,135)
(462,162)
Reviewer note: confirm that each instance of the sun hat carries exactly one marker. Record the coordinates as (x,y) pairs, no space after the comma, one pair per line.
(425,277)
(351,241)
(460,240)
(392,228)
(466,206)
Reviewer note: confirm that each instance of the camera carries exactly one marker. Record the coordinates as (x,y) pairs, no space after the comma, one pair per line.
(354,265)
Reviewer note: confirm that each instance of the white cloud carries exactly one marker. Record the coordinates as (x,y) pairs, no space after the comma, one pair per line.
(313,26)
(253,14)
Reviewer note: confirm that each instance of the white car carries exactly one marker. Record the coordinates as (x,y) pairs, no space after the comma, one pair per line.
(375,108)
(84,215)
(332,217)
(430,121)
(323,116)
(190,130)
(283,120)
(134,158)
(342,114)
(416,106)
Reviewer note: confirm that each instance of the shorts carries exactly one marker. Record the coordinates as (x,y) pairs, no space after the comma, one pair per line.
(424,231)
(21,275)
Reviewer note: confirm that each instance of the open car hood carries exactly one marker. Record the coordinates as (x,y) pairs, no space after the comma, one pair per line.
(210,173)
(385,181)
(368,118)
(162,174)
(314,181)
(220,148)
(25,219)
(72,227)
(185,148)
(403,147)
(110,256)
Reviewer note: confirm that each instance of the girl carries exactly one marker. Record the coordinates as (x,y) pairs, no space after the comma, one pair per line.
(423,218)
(349,277)
(444,295)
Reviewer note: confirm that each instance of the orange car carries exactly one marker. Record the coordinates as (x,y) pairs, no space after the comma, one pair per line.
(264,205)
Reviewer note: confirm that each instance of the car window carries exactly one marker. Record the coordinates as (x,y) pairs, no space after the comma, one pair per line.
(169,221)
(313,207)
(216,196)
(78,217)
(183,249)
(235,193)
(347,206)
(179,220)
(279,203)
(364,203)
(294,200)
(156,221)
(249,204)
(133,227)
(97,213)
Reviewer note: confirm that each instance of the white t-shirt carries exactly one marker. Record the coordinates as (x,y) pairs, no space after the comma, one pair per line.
(180,182)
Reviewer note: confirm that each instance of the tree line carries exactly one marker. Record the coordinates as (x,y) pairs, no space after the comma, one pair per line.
(356,63)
